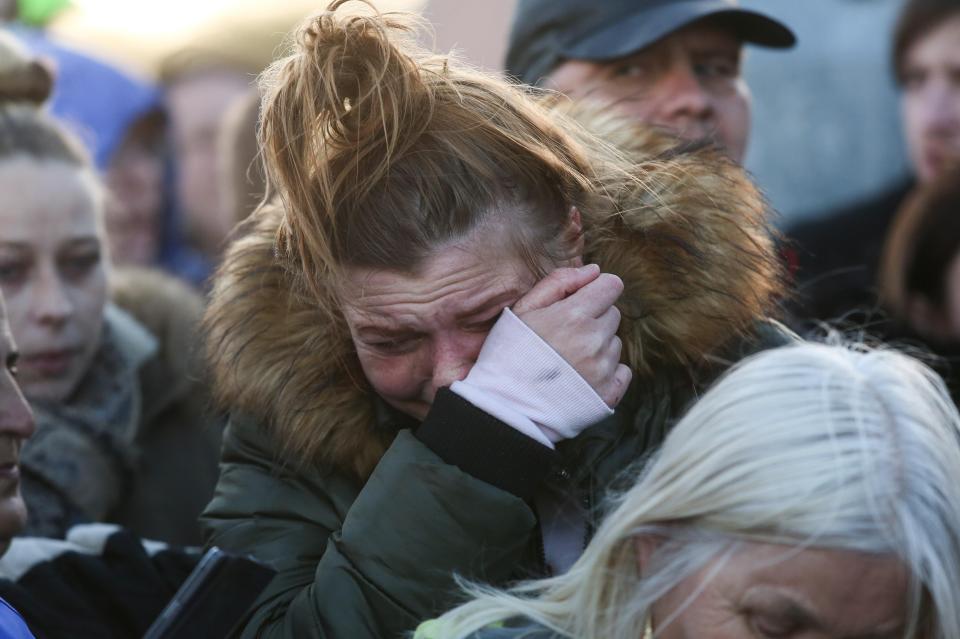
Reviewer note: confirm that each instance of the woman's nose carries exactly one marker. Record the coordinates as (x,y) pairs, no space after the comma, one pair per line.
(51,302)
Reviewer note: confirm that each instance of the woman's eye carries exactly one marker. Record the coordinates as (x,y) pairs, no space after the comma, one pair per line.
(772,628)
(78,266)
(13,272)
(394,346)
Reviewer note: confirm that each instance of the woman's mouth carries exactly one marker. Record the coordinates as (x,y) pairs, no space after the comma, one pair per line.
(50,363)
(939,157)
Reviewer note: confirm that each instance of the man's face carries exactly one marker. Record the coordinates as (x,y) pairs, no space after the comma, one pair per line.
(198,104)
(931,98)
(687,82)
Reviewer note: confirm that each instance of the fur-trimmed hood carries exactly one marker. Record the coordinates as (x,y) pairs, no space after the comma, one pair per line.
(691,243)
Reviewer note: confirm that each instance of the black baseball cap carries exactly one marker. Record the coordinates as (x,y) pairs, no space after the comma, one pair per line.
(546,32)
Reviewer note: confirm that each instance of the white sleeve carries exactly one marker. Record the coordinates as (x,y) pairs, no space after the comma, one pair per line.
(519,379)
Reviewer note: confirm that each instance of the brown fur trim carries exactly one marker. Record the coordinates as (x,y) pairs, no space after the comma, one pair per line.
(284,361)
(688,237)
(691,240)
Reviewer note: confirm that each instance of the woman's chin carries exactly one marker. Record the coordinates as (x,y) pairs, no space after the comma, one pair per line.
(48,389)
(13,518)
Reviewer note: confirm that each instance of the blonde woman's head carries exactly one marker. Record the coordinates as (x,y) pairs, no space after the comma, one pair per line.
(813,491)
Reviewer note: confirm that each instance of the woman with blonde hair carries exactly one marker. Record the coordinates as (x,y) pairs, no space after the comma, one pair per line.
(460,315)
(814,491)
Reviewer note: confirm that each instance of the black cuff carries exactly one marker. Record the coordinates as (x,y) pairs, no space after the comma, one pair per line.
(483,446)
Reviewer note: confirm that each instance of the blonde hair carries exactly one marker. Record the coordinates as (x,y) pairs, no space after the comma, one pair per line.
(805,445)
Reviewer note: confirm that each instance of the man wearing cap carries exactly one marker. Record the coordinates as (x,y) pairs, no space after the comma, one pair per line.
(670,63)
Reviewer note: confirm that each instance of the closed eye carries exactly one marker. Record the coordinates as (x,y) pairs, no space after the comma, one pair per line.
(395,345)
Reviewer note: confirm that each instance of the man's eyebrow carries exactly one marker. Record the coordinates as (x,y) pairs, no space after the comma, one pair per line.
(718,49)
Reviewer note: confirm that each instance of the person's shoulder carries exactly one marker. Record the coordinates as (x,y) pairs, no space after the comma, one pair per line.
(873,212)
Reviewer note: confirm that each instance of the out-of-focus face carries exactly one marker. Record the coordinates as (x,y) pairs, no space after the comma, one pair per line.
(415,334)
(16,425)
(135,182)
(776,592)
(52,272)
(197,105)
(931,98)
(688,82)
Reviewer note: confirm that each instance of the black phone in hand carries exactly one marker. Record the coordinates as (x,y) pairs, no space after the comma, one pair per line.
(214,599)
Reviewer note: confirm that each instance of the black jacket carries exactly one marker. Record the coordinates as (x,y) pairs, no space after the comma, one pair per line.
(836,259)
(102,582)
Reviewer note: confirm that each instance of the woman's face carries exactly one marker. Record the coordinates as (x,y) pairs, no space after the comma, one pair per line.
(417,333)
(52,271)
(931,99)
(775,592)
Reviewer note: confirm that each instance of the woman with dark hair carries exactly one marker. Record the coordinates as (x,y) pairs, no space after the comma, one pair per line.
(459,317)
(839,254)
(920,270)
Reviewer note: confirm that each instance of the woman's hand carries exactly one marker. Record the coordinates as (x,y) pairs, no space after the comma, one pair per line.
(572,309)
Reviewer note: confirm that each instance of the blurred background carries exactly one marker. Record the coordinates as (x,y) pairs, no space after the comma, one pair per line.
(826,129)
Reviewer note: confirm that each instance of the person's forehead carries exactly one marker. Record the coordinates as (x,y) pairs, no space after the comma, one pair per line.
(939,41)
(61,201)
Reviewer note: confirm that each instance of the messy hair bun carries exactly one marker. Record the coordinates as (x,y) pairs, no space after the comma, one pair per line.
(22,78)
(380,151)
(25,129)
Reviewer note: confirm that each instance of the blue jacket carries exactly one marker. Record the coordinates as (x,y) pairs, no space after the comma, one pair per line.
(12,625)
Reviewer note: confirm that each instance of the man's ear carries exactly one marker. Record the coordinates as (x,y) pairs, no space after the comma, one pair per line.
(573,237)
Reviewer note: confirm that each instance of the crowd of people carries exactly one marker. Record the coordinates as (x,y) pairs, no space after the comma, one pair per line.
(464,354)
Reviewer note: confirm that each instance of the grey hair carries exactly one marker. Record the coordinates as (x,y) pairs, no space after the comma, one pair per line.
(808,445)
